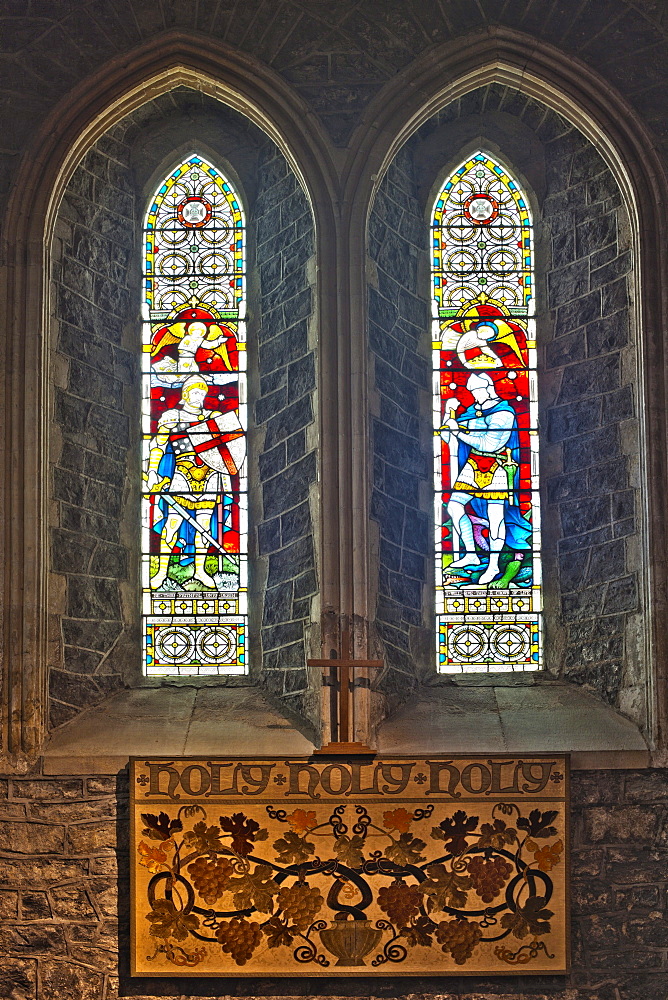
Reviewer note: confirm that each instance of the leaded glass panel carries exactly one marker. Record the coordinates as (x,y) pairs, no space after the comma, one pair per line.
(194,506)
(488,571)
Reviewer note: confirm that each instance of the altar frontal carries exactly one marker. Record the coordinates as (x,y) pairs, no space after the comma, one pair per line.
(377,866)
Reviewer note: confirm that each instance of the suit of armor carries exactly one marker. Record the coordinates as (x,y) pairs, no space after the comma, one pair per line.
(486,445)
(194,487)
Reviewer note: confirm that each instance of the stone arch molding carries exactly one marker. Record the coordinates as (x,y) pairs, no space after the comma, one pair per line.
(341,187)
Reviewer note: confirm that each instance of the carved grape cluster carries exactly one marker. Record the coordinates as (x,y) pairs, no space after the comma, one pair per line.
(459,937)
(400,902)
(239,938)
(488,876)
(211,877)
(299,903)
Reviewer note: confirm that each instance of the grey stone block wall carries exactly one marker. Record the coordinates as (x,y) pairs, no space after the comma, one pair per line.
(95,375)
(286,428)
(398,342)
(591,420)
(64,901)
(587,386)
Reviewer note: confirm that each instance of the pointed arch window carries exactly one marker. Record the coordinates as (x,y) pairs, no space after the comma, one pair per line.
(194,501)
(488,568)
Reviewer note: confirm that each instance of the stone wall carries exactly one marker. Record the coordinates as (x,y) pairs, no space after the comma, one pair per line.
(94,534)
(285,417)
(588,379)
(93,372)
(398,342)
(336,56)
(591,383)
(64,901)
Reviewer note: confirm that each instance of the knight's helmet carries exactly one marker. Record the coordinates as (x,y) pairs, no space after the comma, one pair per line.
(479,382)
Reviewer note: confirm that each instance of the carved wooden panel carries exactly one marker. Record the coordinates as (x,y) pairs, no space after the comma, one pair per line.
(320,867)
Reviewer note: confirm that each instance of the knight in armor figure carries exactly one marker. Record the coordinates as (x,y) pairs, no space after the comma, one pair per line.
(191,483)
(484,446)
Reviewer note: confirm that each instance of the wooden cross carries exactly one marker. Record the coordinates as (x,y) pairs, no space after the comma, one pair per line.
(341,683)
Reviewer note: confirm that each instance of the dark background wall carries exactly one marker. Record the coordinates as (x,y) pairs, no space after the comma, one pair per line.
(399,342)
(337,55)
(94,372)
(588,384)
(286,410)
(95,629)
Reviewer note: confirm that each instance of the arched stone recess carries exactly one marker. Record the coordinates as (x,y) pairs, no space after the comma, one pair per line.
(588,386)
(95,537)
(600,192)
(88,177)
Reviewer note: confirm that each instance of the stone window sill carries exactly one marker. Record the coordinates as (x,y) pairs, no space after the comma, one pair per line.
(191,720)
(514,714)
(172,719)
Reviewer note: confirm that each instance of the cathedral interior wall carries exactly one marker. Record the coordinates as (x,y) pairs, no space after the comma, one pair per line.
(64,885)
(64,901)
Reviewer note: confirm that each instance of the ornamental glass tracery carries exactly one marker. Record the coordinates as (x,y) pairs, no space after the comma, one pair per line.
(488,572)
(194,504)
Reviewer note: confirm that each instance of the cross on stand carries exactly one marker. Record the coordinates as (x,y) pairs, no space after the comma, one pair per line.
(339,678)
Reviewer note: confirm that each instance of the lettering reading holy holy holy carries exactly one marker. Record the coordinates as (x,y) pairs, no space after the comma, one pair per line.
(449,778)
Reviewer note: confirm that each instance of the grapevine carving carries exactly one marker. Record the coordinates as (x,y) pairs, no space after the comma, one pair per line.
(442,881)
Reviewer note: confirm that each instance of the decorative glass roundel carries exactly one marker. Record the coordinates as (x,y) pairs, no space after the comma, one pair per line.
(481,208)
(194,212)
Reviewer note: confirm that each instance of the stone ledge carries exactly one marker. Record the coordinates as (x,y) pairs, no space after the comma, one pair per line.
(554,717)
(171,721)
(535,718)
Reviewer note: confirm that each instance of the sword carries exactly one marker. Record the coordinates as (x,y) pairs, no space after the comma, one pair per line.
(191,520)
(453,445)
(510,465)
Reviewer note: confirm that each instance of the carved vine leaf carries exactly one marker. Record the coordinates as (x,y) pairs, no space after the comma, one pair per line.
(292,849)
(419,932)
(349,850)
(204,839)
(397,819)
(532,918)
(166,921)
(454,831)
(538,823)
(278,933)
(255,889)
(244,832)
(406,850)
(302,821)
(154,858)
(160,827)
(445,888)
(496,834)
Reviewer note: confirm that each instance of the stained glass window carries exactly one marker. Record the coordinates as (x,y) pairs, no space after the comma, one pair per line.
(488,573)
(194,504)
